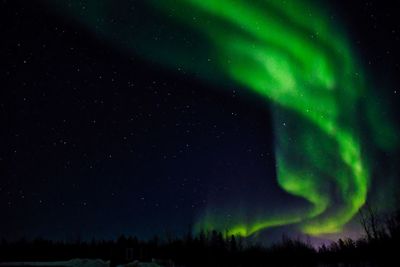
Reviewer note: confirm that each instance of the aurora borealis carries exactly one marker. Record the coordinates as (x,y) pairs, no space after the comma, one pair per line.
(310,81)
(296,59)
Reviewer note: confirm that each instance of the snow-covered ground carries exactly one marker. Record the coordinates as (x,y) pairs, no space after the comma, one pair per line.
(70,263)
(77,263)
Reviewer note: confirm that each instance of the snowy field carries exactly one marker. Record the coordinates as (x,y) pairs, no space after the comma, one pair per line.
(77,263)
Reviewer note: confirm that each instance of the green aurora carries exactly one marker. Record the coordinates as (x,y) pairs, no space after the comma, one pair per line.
(290,54)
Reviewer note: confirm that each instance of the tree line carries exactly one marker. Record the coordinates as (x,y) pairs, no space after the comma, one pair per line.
(379,245)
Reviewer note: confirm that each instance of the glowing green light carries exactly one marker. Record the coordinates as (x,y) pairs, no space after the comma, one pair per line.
(291,55)
(307,75)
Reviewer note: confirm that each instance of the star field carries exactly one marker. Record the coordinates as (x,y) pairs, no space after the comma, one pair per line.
(96,142)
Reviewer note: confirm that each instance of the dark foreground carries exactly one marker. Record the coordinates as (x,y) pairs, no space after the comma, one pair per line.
(208,250)
(379,247)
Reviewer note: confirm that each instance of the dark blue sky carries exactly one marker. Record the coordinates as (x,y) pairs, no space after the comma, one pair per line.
(97,143)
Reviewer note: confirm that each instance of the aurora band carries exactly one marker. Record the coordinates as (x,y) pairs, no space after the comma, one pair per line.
(287,52)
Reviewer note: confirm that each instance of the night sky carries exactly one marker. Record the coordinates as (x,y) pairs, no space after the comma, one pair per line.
(99,140)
